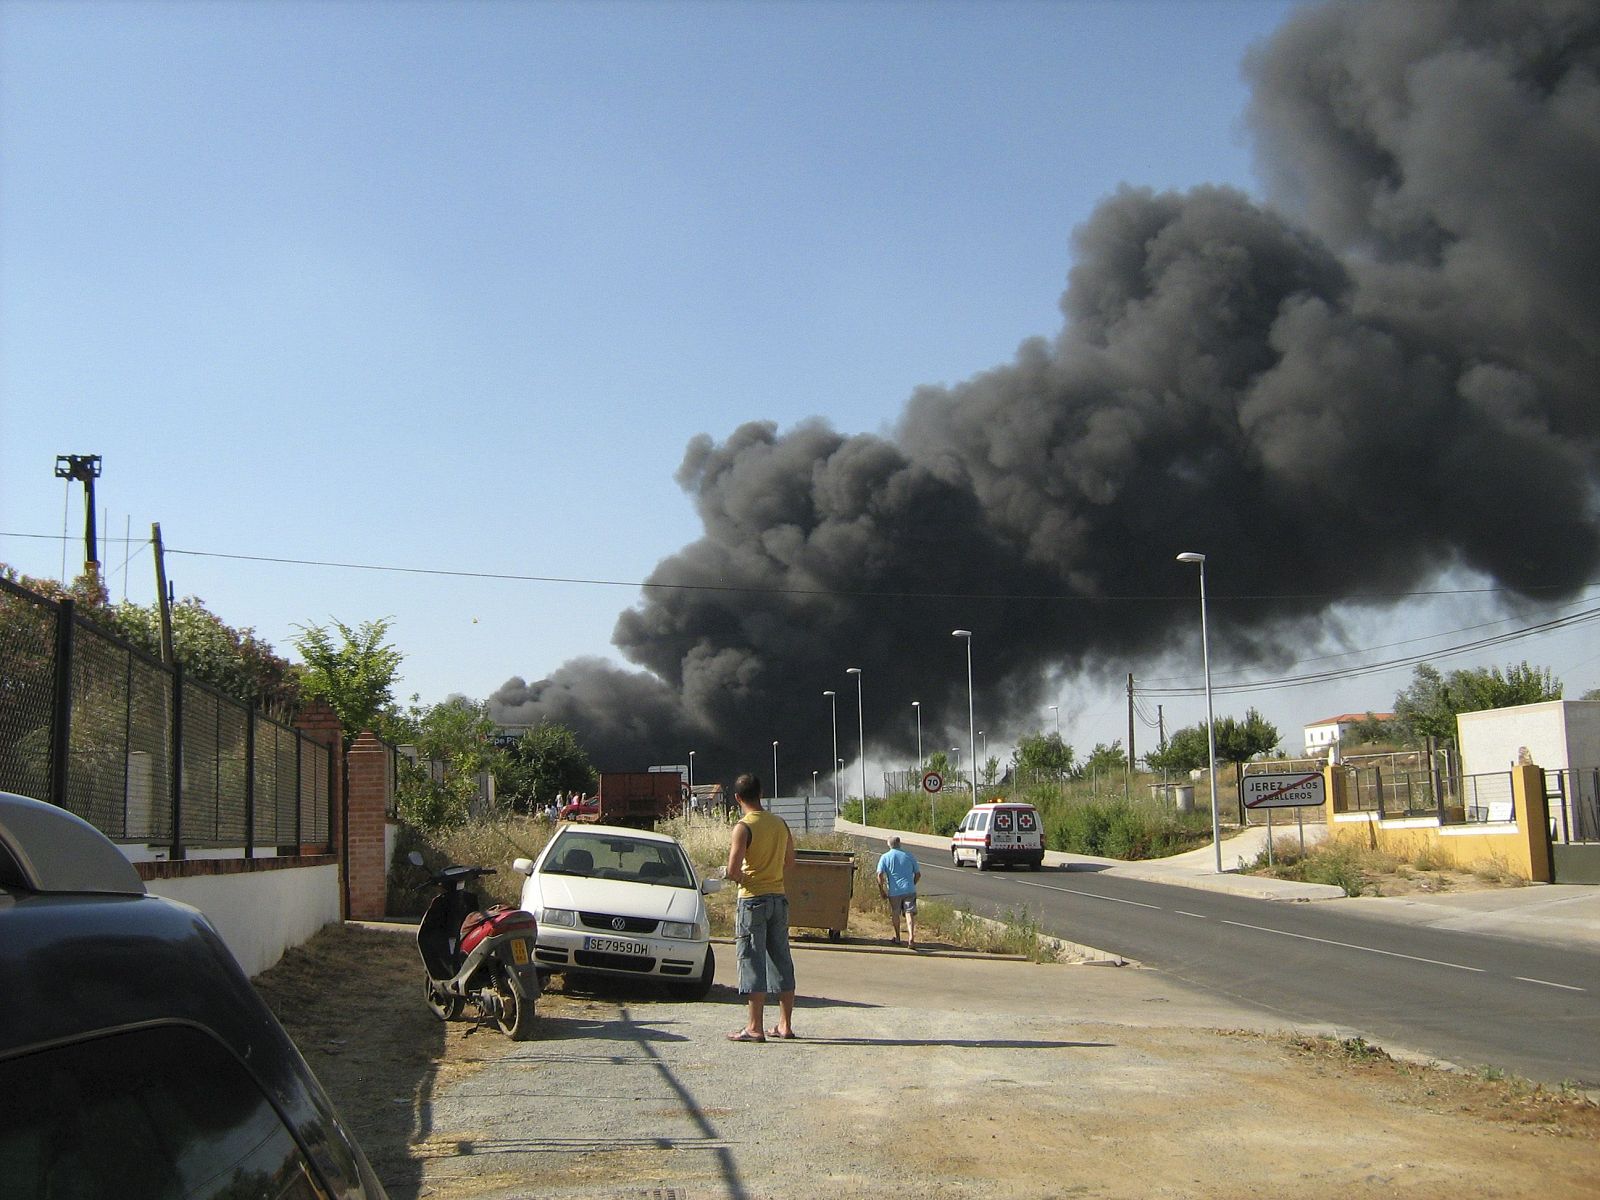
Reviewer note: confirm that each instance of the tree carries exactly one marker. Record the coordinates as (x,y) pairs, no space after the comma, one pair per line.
(939,761)
(545,760)
(1105,760)
(1186,750)
(1428,708)
(991,770)
(1591,694)
(234,661)
(356,678)
(1043,754)
(1240,741)
(1370,729)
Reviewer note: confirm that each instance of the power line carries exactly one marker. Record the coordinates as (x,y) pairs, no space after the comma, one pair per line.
(1388,665)
(1072,597)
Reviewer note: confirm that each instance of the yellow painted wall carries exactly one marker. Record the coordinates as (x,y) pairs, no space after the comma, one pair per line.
(1523,847)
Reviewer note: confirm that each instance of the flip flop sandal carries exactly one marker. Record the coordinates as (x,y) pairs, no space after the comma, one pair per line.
(744,1035)
(783,1037)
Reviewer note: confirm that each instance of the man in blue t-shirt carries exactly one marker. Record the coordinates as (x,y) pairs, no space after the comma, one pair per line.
(898,874)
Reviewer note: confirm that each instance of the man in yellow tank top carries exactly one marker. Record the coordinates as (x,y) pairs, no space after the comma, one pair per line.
(761,855)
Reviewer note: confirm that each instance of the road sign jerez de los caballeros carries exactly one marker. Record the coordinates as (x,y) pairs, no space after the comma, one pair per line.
(1296,790)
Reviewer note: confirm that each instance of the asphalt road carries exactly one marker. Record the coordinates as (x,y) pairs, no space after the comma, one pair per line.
(1470,999)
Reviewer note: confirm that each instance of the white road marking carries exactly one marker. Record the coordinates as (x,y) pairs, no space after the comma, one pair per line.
(1092,895)
(1181,913)
(1566,987)
(1352,946)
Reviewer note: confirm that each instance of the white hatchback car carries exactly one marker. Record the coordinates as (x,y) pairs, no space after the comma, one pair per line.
(624,903)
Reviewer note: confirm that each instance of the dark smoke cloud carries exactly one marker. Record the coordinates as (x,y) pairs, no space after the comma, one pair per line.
(1389,373)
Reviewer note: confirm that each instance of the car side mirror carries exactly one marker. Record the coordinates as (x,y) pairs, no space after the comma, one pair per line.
(414,858)
(709,887)
(522,866)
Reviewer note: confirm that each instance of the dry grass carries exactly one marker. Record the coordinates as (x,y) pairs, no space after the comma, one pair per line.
(1485,1093)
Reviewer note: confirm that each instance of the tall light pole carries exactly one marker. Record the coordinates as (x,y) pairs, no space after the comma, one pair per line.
(917,704)
(1056,708)
(691,780)
(774,766)
(833,697)
(1189,556)
(813,785)
(972,728)
(861,733)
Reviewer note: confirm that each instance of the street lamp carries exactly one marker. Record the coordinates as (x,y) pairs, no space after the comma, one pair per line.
(1056,708)
(1189,556)
(813,786)
(774,766)
(861,733)
(917,704)
(691,779)
(831,696)
(972,729)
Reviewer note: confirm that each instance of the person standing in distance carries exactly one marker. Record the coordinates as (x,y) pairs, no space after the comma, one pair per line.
(761,855)
(898,876)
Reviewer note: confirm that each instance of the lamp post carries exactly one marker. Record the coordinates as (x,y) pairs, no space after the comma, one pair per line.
(972,729)
(774,766)
(917,704)
(861,733)
(1189,556)
(1056,708)
(813,786)
(691,779)
(831,696)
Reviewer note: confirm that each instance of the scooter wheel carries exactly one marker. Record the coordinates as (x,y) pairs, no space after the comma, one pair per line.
(446,1008)
(515,1018)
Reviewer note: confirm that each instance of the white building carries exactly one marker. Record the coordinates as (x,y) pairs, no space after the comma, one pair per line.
(1559,735)
(1332,730)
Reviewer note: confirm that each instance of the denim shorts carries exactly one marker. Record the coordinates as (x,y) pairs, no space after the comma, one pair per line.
(761,944)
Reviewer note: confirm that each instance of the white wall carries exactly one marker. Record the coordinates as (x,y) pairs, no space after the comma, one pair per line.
(260,914)
(1583,734)
(1491,740)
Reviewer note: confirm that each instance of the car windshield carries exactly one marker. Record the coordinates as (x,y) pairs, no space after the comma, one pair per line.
(617,856)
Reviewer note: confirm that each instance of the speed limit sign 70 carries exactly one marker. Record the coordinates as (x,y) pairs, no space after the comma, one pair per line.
(932,781)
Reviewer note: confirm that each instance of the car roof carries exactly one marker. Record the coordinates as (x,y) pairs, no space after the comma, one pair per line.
(48,849)
(647,835)
(1005,804)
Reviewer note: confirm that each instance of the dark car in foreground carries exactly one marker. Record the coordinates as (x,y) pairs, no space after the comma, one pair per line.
(135,1057)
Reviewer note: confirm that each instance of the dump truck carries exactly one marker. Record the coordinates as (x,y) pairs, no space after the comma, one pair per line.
(638,799)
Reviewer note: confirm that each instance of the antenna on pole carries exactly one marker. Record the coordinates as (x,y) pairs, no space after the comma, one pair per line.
(84,469)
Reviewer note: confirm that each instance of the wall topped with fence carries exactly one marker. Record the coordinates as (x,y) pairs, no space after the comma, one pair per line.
(148,756)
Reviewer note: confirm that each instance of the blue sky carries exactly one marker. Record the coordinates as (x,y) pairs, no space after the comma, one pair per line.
(452,286)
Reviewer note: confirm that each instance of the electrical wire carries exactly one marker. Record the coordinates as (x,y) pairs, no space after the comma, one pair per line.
(1268,685)
(1070,597)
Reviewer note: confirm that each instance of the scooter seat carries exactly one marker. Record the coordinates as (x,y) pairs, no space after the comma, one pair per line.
(499,918)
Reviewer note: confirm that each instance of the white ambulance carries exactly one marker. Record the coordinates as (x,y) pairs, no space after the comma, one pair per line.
(999,833)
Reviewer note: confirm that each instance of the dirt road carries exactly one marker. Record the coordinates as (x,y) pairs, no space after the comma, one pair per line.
(917,1075)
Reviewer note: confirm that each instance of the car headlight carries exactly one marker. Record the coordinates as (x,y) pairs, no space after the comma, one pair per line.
(685,930)
(559,916)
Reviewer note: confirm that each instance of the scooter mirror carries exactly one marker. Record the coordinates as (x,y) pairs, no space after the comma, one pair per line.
(415,858)
(522,866)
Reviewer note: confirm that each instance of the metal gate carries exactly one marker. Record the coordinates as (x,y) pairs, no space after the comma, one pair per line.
(1573,799)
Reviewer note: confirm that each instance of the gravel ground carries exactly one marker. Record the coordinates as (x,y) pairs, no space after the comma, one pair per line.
(921,1075)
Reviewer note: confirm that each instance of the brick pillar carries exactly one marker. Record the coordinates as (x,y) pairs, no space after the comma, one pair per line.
(366,866)
(321,724)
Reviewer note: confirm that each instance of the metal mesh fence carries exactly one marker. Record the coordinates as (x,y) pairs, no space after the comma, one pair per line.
(27,691)
(149,778)
(118,712)
(97,750)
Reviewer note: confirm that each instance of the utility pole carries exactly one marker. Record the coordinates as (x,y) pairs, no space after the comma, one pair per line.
(84,469)
(163,599)
(1127,779)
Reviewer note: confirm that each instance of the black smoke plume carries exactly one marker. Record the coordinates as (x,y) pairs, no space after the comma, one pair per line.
(1389,373)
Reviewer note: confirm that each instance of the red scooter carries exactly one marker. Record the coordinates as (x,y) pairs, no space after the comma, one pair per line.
(482,957)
